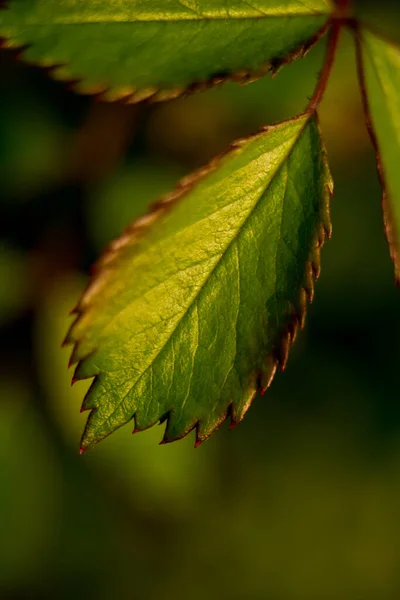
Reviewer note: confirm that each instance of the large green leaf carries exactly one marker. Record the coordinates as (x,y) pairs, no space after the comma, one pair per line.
(195,306)
(159,48)
(380,73)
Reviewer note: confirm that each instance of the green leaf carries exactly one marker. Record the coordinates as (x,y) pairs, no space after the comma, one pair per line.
(195,306)
(160,48)
(379,67)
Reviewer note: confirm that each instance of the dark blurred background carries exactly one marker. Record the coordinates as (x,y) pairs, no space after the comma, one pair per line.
(302,500)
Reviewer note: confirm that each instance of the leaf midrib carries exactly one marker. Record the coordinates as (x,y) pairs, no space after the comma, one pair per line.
(124,21)
(215,267)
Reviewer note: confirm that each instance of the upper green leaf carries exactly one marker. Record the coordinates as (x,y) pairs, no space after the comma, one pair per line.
(197,303)
(380,72)
(160,48)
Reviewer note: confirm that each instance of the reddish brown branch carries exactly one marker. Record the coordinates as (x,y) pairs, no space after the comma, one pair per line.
(343,6)
(327,68)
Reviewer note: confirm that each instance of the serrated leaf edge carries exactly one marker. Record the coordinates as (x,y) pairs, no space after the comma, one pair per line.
(130,95)
(133,234)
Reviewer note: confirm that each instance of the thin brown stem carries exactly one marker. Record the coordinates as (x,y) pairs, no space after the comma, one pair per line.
(343,6)
(327,68)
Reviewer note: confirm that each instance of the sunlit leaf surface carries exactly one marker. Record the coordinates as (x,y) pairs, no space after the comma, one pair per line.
(196,304)
(160,48)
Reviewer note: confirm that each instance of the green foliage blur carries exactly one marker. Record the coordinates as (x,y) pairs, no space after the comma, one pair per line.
(302,500)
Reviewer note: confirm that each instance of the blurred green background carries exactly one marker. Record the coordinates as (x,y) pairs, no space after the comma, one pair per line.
(302,500)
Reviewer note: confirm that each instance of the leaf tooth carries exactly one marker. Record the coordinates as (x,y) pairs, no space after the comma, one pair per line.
(80,373)
(321,236)
(73,359)
(13,44)
(238,412)
(104,262)
(75,310)
(293,328)
(299,52)
(139,428)
(282,350)
(90,88)
(173,432)
(238,143)
(275,68)
(117,94)
(93,290)
(239,76)
(147,220)
(164,418)
(60,73)
(111,253)
(308,282)
(237,417)
(268,373)
(140,95)
(69,338)
(204,429)
(170,198)
(327,226)
(329,184)
(119,243)
(170,94)
(190,180)
(88,403)
(325,215)
(251,77)
(229,415)
(217,80)
(203,434)
(198,86)
(316,261)
(301,308)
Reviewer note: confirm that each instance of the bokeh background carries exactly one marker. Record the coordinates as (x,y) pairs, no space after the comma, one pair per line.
(302,500)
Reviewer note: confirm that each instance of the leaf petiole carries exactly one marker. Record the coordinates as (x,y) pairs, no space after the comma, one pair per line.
(327,67)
